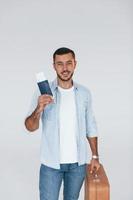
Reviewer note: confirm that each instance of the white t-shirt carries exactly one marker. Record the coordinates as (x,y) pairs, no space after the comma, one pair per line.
(68,126)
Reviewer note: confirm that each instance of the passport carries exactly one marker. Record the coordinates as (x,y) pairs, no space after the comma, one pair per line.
(43,84)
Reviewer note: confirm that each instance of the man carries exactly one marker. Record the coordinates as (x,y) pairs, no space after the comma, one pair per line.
(67,124)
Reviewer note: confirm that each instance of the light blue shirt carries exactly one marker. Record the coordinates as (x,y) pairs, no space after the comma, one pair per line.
(50,148)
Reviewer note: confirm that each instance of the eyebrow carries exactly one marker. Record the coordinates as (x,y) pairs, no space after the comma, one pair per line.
(66,61)
(69,61)
(59,62)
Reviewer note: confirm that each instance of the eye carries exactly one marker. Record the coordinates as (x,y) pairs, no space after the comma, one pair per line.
(59,64)
(69,63)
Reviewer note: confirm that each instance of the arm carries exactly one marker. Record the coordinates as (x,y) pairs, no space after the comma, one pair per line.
(92,135)
(93,141)
(32,121)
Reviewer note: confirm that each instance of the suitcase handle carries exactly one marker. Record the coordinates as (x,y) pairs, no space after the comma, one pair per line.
(96,177)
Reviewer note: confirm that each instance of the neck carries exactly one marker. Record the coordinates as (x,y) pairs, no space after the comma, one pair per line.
(65,84)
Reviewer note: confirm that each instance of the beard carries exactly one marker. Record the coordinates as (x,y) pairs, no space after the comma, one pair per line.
(63,78)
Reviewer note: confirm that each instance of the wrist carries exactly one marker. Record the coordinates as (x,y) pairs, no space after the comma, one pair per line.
(37,113)
(94,156)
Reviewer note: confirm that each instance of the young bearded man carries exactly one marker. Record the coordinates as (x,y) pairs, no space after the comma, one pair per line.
(67,123)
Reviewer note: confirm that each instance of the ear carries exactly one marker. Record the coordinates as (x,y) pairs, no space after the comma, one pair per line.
(75,62)
(53,65)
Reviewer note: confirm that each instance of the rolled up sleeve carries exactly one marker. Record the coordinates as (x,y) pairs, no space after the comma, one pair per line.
(34,102)
(91,126)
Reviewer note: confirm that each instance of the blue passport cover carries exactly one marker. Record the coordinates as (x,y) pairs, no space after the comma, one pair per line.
(44,87)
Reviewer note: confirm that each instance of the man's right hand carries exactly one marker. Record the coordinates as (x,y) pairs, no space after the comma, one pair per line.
(32,122)
(44,100)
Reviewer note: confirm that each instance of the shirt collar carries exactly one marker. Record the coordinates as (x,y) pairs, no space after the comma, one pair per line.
(55,84)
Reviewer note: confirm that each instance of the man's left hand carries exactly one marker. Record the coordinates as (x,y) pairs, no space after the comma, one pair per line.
(94,165)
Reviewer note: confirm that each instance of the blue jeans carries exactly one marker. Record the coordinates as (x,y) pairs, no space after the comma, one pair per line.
(50,181)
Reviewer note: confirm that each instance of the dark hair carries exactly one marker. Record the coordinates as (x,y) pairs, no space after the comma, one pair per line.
(63,50)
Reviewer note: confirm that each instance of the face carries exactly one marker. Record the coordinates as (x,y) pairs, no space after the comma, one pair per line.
(64,66)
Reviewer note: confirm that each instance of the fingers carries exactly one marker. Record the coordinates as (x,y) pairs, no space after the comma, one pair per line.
(45,97)
(98,166)
(44,100)
(93,170)
(94,167)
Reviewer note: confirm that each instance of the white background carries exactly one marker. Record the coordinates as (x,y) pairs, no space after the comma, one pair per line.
(99,31)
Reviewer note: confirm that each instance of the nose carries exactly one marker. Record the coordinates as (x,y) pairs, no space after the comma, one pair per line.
(64,67)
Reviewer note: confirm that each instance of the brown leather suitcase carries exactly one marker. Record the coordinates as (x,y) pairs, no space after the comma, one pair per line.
(96,185)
